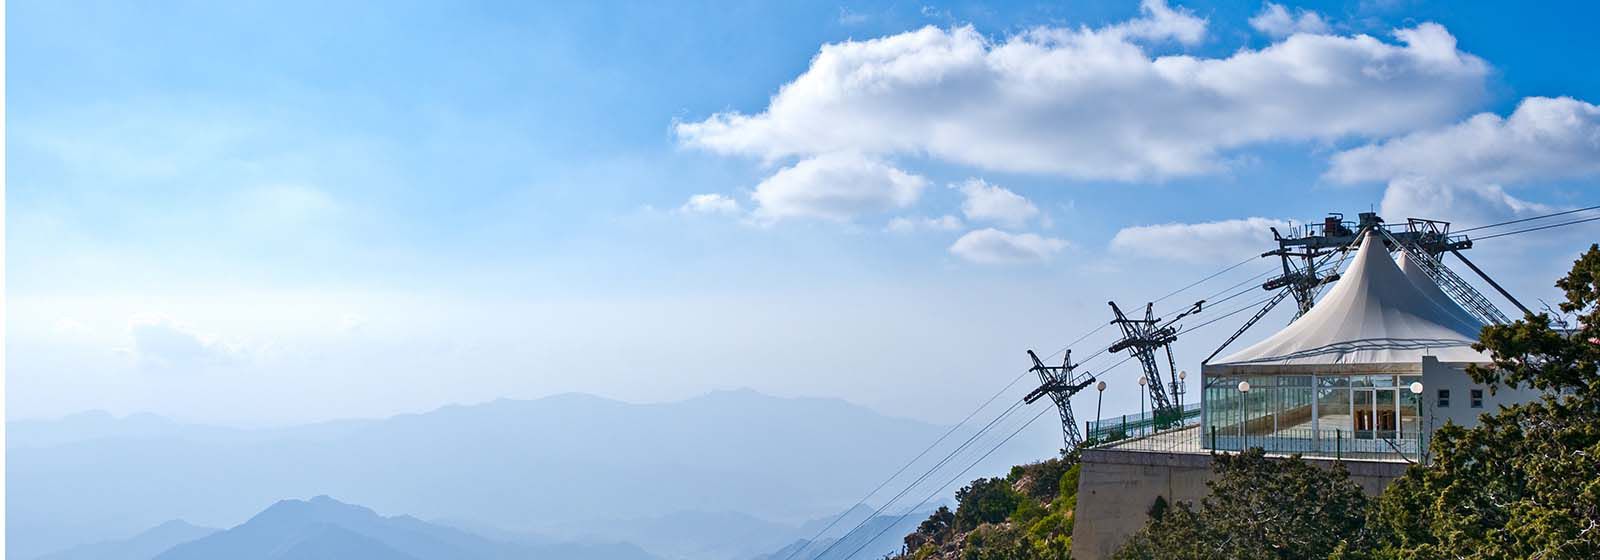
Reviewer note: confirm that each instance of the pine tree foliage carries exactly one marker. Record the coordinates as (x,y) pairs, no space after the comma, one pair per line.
(1258,507)
(1525,483)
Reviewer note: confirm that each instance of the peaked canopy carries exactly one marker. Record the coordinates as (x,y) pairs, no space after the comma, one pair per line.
(1428,287)
(1376,319)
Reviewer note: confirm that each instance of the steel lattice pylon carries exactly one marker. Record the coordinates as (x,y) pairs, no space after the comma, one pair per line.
(1058,382)
(1141,338)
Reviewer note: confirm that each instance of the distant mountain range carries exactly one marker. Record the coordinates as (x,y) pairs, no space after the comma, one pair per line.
(591,466)
(877,537)
(142,546)
(326,528)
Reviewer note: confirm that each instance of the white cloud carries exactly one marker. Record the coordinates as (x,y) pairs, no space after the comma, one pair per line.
(1227,240)
(993,203)
(992,246)
(159,342)
(1458,172)
(1462,203)
(910,225)
(710,204)
(838,187)
(1544,138)
(1277,22)
(1092,103)
(1161,22)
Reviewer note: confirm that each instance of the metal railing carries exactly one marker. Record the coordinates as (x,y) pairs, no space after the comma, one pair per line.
(1138,425)
(1335,444)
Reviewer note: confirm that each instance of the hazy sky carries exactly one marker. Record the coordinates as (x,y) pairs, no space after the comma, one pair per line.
(283,212)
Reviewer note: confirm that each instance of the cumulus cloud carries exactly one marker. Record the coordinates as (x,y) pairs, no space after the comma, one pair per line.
(1544,138)
(710,204)
(159,342)
(1277,22)
(909,225)
(993,203)
(1161,22)
(1092,103)
(1457,172)
(836,186)
(1222,241)
(992,246)
(1462,203)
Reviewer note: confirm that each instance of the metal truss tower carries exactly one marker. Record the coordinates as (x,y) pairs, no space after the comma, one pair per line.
(1141,338)
(1060,384)
(1303,248)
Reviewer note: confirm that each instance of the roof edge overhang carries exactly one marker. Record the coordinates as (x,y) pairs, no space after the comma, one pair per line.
(1308,369)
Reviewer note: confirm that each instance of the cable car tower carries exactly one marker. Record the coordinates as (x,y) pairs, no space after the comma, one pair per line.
(1141,338)
(1060,383)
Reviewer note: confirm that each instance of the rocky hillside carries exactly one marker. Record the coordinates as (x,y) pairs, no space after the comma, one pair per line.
(1026,514)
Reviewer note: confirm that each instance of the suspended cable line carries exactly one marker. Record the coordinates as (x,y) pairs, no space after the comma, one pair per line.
(1014,406)
(1226,315)
(1527,219)
(1538,228)
(1203,280)
(908,464)
(947,484)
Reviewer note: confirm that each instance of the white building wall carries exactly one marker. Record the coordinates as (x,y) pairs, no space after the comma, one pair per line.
(1460,408)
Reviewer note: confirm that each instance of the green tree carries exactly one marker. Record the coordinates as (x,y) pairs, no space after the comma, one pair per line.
(1524,483)
(986,500)
(1259,508)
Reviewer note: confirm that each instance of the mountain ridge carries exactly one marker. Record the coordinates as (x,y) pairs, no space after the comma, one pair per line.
(514,462)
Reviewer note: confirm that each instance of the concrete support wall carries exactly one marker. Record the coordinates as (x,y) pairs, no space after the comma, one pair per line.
(1116,489)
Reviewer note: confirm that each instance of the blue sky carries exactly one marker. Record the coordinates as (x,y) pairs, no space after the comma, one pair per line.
(281,212)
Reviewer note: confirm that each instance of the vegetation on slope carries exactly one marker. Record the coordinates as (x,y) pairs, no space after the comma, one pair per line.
(1026,514)
(1258,508)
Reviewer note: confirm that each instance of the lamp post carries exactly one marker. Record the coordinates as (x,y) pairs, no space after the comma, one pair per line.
(1244,395)
(1179,387)
(1142,383)
(1099,401)
(1416,389)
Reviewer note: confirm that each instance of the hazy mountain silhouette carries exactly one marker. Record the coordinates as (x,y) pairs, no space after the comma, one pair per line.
(879,536)
(698,535)
(142,546)
(723,535)
(329,542)
(509,463)
(326,528)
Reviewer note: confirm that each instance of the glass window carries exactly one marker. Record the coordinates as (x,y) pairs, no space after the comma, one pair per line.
(1444,398)
(1477,398)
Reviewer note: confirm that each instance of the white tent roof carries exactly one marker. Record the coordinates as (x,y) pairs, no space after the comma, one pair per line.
(1428,287)
(1375,319)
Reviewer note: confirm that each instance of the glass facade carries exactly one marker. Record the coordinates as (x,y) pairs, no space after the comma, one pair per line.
(1355,415)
